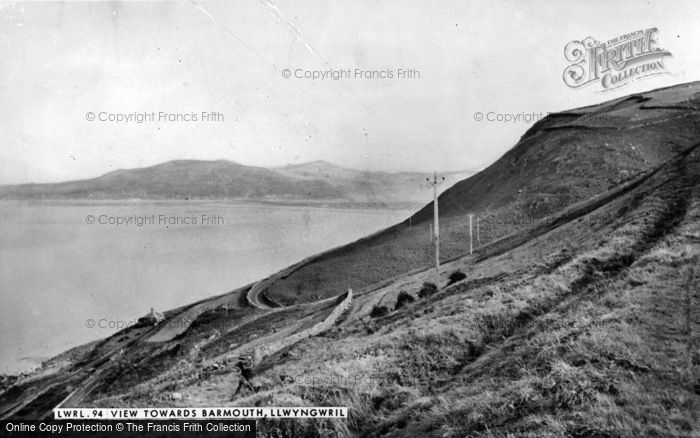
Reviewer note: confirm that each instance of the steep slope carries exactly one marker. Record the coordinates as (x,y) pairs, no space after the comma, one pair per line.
(565,158)
(587,325)
(575,154)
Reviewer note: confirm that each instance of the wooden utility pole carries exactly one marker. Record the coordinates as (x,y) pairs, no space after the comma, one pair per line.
(436,226)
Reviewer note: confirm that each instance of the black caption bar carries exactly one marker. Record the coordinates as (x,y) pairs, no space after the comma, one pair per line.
(128,428)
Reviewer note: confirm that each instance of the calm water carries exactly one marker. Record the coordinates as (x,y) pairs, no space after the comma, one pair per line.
(57,271)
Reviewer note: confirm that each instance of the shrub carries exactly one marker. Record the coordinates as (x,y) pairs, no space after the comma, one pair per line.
(378,311)
(457,276)
(403,299)
(427,290)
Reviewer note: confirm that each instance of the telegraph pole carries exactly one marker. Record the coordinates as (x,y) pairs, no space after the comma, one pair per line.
(436,227)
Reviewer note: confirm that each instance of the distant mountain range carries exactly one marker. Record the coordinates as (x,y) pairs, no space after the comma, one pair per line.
(317,181)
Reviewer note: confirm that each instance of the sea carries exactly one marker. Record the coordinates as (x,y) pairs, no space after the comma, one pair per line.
(76,271)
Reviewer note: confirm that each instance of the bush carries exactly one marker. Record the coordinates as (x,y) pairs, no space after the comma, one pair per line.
(457,276)
(403,299)
(378,311)
(427,290)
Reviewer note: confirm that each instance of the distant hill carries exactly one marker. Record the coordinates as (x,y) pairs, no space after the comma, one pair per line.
(192,179)
(367,186)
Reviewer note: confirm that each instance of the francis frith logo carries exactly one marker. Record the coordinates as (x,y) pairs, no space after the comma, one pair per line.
(616,62)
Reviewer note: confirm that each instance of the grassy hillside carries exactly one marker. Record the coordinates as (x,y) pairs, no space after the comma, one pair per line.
(571,329)
(564,158)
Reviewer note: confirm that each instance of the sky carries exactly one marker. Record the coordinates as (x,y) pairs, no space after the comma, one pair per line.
(62,62)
